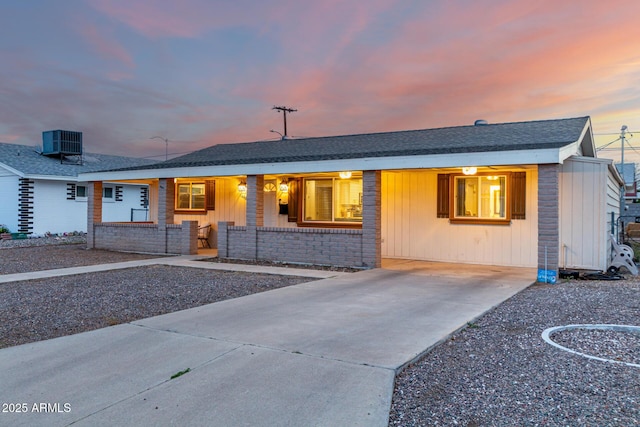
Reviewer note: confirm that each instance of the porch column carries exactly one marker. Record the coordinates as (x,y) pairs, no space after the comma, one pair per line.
(94,211)
(371,212)
(549,216)
(166,207)
(255,212)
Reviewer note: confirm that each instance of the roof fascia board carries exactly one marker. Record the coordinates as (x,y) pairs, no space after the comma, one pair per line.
(499,158)
(568,150)
(51,177)
(587,141)
(12,170)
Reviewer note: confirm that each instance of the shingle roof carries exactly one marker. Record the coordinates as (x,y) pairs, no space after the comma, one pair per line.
(28,160)
(461,139)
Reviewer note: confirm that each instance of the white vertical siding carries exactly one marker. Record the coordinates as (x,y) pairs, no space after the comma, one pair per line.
(584,213)
(9,201)
(410,228)
(612,207)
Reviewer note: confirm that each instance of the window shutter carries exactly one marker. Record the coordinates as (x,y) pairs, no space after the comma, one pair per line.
(210,194)
(294,193)
(518,195)
(443,196)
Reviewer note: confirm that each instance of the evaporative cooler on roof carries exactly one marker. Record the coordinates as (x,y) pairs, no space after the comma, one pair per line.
(61,143)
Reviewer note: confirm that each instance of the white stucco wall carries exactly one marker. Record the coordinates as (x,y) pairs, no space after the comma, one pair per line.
(9,200)
(410,228)
(54,213)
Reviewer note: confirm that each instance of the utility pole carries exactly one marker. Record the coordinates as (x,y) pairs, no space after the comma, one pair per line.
(623,130)
(624,183)
(284,110)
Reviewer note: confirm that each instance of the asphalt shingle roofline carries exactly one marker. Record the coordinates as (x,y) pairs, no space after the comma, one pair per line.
(540,134)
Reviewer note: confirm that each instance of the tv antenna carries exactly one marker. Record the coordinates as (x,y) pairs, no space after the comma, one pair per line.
(284,110)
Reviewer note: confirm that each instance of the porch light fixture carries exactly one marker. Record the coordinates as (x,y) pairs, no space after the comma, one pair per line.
(469,170)
(242,189)
(284,187)
(345,174)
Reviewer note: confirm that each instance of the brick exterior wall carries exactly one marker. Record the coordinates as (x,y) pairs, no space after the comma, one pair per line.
(371,219)
(94,210)
(320,246)
(548,216)
(147,238)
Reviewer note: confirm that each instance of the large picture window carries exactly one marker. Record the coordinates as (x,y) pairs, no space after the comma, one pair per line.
(334,200)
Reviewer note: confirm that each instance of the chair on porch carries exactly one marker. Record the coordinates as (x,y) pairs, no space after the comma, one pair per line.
(203,235)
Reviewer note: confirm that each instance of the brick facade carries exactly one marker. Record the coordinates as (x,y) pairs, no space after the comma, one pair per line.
(371,219)
(548,216)
(179,239)
(320,246)
(94,210)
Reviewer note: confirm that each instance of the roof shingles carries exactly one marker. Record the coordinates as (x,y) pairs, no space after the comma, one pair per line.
(28,161)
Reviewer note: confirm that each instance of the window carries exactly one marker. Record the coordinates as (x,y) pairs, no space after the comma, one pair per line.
(191,196)
(107,194)
(195,196)
(334,200)
(482,198)
(81,191)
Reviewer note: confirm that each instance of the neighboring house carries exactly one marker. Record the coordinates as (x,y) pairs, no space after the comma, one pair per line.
(529,194)
(41,192)
(628,172)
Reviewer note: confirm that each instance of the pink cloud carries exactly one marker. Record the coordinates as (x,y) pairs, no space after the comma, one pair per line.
(107,47)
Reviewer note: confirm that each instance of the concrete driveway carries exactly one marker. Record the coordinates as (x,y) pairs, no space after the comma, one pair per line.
(323,353)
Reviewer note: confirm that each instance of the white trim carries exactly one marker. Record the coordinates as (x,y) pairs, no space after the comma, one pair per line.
(12,170)
(492,158)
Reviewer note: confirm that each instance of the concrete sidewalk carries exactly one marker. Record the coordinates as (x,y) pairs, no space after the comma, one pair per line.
(322,353)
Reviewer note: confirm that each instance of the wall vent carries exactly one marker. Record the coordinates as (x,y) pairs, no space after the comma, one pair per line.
(58,143)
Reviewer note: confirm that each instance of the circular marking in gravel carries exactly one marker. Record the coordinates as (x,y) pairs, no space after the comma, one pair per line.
(547,333)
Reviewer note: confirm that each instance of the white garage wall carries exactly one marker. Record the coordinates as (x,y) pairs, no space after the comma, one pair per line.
(410,228)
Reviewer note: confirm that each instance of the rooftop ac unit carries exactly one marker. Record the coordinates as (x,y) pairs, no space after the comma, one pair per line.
(61,142)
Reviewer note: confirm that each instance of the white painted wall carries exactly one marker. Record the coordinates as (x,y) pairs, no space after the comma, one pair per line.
(9,202)
(113,211)
(586,202)
(410,228)
(53,213)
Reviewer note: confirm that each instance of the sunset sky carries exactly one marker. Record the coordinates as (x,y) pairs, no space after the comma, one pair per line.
(204,72)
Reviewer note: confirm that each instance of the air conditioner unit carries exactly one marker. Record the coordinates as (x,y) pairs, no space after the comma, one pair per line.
(61,143)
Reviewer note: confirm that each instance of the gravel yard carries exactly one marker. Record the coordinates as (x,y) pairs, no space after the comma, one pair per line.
(47,308)
(19,256)
(499,372)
